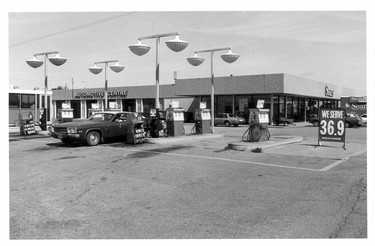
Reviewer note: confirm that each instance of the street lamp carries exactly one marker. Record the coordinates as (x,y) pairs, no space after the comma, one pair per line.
(96,70)
(197,60)
(57,60)
(140,49)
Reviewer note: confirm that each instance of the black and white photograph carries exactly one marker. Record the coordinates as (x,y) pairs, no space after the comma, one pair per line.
(217,123)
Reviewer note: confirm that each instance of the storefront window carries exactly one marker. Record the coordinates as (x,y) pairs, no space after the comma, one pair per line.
(207,100)
(14,100)
(320,103)
(282,106)
(241,107)
(76,106)
(289,107)
(59,104)
(129,105)
(148,104)
(312,107)
(112,104)
(27,101)
(261,98)
(48,101)
(93,104)
(224,104)
(301,109)
(276,106)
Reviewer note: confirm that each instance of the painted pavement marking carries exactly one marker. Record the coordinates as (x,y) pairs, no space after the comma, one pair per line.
(325,169)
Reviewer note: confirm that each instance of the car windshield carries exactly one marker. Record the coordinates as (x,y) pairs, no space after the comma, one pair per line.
(232,115)
(101,117)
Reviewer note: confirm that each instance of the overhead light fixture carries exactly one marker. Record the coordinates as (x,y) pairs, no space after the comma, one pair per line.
(177,44)
(95,69)
(139,49)
(35,62)
(230,57)
(117,67)
(57,60)
(195,60)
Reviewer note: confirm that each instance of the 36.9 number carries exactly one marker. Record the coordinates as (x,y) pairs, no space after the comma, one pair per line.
(329,127)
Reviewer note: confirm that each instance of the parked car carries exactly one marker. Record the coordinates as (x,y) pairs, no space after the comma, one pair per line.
(228,119)
(284,121)
(93,130)
(352,120)
(364,118)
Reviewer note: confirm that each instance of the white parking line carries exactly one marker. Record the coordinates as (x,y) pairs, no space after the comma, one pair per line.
(336,163)
(221,159)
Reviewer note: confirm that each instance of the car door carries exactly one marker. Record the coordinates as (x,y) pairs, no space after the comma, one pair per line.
(117,127)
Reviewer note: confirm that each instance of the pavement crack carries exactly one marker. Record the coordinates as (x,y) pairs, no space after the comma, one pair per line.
(80,195)
(362,185)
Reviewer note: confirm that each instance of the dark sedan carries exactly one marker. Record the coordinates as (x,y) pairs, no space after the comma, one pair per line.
(93,130)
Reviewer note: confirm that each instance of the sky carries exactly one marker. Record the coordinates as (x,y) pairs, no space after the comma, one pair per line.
(322,45)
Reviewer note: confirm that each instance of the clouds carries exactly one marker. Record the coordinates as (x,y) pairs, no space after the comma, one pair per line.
(325,45)
(307,26)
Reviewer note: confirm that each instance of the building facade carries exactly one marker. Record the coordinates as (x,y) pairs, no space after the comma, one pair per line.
(26,101)
(283,94)
(354,104)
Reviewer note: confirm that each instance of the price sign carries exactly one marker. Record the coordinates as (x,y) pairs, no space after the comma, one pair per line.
(332,125)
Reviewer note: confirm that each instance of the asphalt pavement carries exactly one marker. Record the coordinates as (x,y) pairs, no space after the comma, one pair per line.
(191,187)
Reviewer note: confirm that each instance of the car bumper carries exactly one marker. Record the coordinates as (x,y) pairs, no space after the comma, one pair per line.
(66,136)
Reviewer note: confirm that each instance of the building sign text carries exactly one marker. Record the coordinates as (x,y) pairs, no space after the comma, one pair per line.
(100,94)
(328,92)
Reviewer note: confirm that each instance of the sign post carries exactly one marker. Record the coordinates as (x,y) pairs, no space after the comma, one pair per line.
(332,126)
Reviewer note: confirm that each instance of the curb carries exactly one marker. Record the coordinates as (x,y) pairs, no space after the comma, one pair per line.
(15,133)
(258,146)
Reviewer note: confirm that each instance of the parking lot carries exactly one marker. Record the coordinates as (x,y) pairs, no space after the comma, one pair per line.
(189,189)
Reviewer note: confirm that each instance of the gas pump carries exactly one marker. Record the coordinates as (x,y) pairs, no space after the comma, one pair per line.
(202,118)
(175,121)
(66,115)
(156,124)
(258,126)
(27,126)
(135,133)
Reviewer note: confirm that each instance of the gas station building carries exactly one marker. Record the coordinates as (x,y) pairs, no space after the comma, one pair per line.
(284,95)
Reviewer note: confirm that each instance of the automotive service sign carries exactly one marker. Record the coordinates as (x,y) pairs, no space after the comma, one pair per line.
(332,125)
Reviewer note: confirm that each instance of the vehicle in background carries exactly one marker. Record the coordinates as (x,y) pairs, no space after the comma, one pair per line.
(364,118)
(93,130)
(284,121)
(227,119)
(351,120)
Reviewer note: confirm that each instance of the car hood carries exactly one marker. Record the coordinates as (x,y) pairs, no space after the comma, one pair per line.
(79,124)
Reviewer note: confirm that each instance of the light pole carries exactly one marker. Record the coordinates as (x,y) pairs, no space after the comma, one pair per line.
(140,49)
(57,60)
(197,60)
(116,68)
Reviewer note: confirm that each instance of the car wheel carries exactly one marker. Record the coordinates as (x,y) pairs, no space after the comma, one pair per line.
(316,123)
(227,123)
(347,125)
(92,138)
